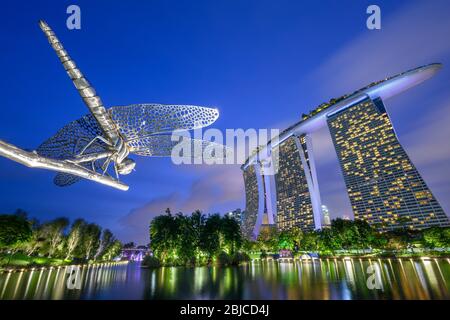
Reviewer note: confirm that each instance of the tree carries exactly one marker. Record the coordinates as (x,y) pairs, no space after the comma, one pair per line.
(446,236)
(14,230)
(163,236)
(186,242)
(268,239)
(286,240)
(347,233)
(434,237)
(366,234)
(310,241)
(297,235)
(231,232)
(395,241)
(198,223)
(113,250)
(74,237)
(18,232)
(90,239)
(54,234)
(210,237)
(21,213)
(106,241)
(129,245)
(249,246)
(329,241)
(37,239)
(180,239)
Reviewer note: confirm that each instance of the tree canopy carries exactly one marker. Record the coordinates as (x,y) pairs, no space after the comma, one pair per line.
(14,230)
(57,238)
(181,239)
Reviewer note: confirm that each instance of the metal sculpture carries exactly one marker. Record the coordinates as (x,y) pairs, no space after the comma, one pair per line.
(87,147)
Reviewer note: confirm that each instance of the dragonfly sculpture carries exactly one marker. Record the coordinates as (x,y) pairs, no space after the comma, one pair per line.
(97,146)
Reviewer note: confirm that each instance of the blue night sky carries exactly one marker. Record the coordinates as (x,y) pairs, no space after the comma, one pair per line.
(262,63)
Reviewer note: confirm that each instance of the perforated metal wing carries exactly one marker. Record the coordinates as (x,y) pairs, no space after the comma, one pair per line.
(65,179)
(156,146)
(163,146)
(69,141)
(136,123)
(140,120)
(72,138)
(145,128)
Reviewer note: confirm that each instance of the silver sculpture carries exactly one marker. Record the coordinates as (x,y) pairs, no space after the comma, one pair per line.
(85,148)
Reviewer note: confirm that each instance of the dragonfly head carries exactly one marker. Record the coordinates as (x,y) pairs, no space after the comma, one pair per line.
(126,166)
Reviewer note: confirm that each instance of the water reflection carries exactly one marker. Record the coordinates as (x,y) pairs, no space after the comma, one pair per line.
(300,279)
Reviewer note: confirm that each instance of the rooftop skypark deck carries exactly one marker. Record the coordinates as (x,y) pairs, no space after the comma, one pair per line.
(316,118)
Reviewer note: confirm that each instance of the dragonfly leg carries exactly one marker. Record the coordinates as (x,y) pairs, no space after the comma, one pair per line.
(117,173)
(91,142)
(106,165)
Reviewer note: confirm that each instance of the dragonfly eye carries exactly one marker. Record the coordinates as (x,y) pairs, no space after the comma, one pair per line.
(126,166)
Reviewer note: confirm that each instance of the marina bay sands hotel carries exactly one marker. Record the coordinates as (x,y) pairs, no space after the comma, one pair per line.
(383,185)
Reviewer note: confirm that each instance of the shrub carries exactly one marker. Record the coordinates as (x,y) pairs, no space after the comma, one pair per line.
(151,262)
(240,257)
(223,259)
(263,255)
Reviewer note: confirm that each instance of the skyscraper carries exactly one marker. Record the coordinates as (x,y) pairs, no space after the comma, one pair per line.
(326,216)
(236,215)
(294,206)
(384,187)
(251,201)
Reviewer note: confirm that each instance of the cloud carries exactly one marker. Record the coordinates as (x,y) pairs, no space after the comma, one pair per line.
(417,35)
(427,146)
(428,141)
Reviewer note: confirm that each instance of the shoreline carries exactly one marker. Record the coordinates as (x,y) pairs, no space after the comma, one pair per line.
(10,269)
(312,259)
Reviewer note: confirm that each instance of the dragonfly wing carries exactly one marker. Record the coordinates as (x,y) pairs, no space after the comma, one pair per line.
(71,139)
(141,120)
(164,146)
(65,179)
(68,142)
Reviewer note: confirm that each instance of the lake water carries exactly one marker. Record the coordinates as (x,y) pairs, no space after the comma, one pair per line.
(318,279)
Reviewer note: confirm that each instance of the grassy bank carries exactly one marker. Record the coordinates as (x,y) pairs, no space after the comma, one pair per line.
(21,260)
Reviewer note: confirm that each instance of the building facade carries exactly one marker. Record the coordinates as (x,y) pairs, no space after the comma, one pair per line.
(251,201)
(326,216)
(294,206)
(384,187)
(258,201)
(236,215)
(135,253)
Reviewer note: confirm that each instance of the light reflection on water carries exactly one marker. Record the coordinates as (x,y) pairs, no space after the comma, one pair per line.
(306,279)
